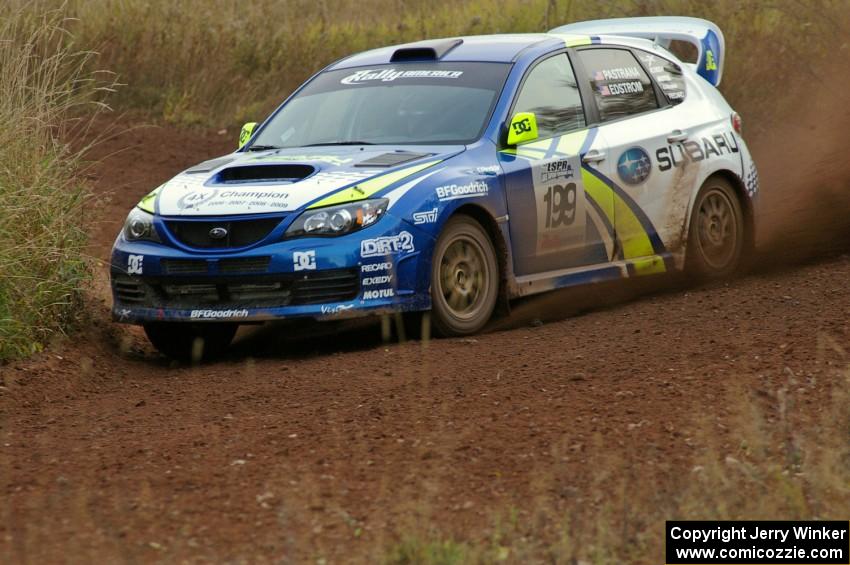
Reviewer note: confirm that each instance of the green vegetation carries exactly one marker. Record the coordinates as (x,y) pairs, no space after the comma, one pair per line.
(43,86)
(220,63)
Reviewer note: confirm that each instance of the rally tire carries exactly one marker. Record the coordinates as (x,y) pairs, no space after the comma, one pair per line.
(190,342)
(716,238)
(464,278)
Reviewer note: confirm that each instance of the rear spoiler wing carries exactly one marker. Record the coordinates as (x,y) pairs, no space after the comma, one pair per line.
(702,34)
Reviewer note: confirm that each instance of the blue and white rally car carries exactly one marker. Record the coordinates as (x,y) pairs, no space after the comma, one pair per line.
(447,175)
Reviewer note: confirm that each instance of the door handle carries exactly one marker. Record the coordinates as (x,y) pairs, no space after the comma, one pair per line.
(676,136)
(593,156)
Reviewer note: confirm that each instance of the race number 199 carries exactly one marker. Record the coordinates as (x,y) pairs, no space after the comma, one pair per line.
(560,205)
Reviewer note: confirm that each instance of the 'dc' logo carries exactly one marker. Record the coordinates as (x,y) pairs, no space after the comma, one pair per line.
(634,166)
(522,126)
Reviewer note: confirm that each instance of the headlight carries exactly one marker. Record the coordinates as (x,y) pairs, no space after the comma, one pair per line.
(139,226)
(338,220)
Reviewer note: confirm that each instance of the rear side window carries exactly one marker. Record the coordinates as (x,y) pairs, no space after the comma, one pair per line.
(620,86)
(551,92)
(667,74)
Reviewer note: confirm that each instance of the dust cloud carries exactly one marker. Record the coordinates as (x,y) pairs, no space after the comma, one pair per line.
(804,166)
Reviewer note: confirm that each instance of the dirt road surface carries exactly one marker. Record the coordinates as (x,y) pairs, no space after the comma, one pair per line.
(303,445)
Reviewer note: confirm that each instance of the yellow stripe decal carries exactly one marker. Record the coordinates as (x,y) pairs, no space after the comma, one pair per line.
(601,193)
(577,41)
(531,153)
(369,187)
(630,233)
(648,265)
(147,203)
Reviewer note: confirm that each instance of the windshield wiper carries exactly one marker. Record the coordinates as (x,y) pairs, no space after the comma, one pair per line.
(339,143)
(262,147)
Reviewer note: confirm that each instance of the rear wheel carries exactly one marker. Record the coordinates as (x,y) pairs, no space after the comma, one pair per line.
(464,278)
(716,238)
(190,342)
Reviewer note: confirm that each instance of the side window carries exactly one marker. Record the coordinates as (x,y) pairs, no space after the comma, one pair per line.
(551,92)
(620,86)
(667,74)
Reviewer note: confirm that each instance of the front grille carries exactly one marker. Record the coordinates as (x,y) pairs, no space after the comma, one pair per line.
(258,291)
(129,290)
(183,266)
(246,265)
(204,292)
(241,265)
(319,287)
(239,233)
(326,286)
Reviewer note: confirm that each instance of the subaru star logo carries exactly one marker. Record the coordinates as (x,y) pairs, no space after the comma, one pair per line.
(634,166)
(218,233)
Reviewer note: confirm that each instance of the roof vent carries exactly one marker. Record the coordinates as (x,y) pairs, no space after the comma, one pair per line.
(391,159)
(208,166)
(425,50)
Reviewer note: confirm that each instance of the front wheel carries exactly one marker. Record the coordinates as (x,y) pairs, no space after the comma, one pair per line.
(190,342)
(716,236)
(464,278)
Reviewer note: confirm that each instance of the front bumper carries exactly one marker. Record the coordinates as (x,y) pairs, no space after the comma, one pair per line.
(322,278)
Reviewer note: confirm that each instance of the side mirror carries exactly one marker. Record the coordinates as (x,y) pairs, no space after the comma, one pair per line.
(523,128)
(246,133)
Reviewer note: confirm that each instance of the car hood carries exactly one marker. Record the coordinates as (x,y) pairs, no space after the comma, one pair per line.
(286,180)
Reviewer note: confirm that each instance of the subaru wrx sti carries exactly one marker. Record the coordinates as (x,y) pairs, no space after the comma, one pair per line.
(446,175)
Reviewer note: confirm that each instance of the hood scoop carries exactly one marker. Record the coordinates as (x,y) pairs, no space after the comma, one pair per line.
(391,159)
(278,173)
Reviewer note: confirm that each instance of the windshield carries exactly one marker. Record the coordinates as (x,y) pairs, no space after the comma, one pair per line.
(410,103)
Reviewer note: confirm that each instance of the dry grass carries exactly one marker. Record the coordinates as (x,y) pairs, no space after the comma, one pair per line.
(43,86)
(220,63)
